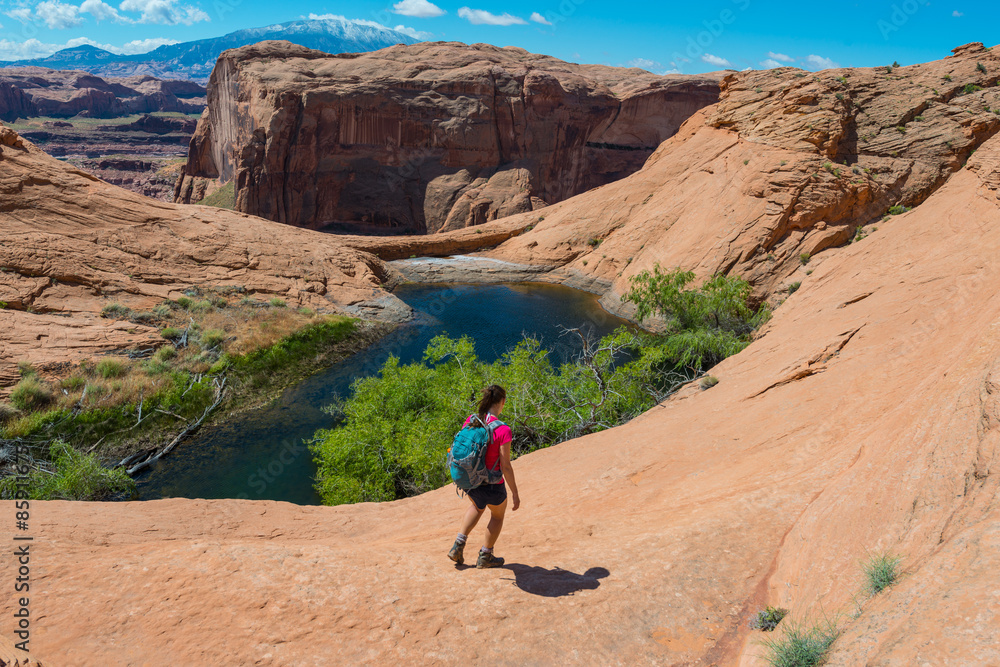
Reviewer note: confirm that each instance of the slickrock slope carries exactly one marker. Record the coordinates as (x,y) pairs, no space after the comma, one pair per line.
(864,419)
(71,244)
(787,163)
(427,137)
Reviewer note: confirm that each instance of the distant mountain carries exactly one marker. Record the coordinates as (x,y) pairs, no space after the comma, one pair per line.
(195,60)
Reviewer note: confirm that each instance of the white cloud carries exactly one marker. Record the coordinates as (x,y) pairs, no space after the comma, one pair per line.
(538,18)
(102,11)
(770,63)
(819,62)
(33,48)
(22,14)
(421,9)
(780,57)
(715,60)
(165,12)
(644,63)
(418,35)
(58,15)
(483,17)
(957,14)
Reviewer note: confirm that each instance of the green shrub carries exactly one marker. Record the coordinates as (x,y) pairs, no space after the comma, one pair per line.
(277,303)
(708,382)
(171,333)
(794,287)
(971,88)
(31,394)
(881,571)
(165,353)
(162,311)
(185,302)
(111,368)
(980,68)
(392,433)
(799,646)
(77,476)
(143,318)
(26,369)
(7,412)
(202,306)
(594,242)
(308,312)
(73,383)
(804,258)
(212,338)
(898,209)
(901,129)
(768,618)
(116,311)
(219,302)
(947,77)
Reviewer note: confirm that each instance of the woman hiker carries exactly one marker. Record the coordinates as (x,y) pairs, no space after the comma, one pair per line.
(491,496)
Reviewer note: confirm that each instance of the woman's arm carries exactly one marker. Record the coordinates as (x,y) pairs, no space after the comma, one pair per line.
(508,474)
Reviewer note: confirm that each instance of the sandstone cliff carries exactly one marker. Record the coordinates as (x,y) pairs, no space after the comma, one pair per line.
(71,244)
(864,419)
(429,137)
(785,166)
(38,91)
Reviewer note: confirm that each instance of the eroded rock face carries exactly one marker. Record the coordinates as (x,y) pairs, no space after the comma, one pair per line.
(425,138)
(71,244)
(866,419)
(786,165)
(38,91)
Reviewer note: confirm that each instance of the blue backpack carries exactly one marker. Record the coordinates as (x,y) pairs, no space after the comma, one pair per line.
(467,456)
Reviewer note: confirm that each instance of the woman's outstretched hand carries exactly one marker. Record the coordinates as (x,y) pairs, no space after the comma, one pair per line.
(516,500)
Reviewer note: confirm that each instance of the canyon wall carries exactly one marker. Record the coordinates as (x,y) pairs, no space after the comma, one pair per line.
(787,165)
(424,138)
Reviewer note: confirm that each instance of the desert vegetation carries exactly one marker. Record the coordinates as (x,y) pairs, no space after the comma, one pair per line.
(394,429)
(222,352)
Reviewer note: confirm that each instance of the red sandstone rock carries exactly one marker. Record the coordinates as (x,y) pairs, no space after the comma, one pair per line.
(428,137)
(864,419)
(71,244)
(787,164)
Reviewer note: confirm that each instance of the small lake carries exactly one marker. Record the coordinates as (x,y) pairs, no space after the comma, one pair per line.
(260,453)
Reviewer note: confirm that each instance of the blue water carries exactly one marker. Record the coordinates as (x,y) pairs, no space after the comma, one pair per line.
(260,454)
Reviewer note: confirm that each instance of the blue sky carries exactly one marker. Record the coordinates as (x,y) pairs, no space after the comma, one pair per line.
(663,36)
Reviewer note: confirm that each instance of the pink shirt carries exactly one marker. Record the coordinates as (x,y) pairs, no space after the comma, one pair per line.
(501,436)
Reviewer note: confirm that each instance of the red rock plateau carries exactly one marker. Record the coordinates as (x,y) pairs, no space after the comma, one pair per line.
(424,138)
(37,91)
(863,419)
(71,244)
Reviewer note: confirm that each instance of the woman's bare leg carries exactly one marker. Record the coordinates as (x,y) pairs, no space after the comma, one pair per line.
(470,519)
(496,523)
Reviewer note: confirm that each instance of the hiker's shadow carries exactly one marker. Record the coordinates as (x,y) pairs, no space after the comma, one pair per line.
(556,582)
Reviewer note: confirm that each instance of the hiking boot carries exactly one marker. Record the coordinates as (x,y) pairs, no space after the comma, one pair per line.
(456,553)
(487,559)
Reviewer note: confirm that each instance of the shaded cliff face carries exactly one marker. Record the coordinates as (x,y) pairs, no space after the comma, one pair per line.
(785,166)
(865,419)
(429,137)
(70,244)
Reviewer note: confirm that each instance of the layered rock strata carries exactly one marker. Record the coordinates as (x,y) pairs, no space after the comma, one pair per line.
(424,138)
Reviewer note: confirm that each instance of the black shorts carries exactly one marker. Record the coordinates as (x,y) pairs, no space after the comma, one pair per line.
(488,494)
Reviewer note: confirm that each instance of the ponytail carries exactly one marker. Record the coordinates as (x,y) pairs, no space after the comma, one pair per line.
(492,395)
